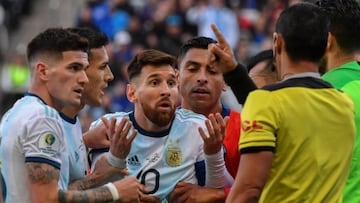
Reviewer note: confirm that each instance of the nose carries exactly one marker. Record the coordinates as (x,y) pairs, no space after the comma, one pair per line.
(202,78)
(83,77)
(108,74)
(165,89)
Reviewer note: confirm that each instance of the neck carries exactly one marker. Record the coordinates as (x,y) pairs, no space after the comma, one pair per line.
(291,68)
(45,96)
(71,112)
(338,58)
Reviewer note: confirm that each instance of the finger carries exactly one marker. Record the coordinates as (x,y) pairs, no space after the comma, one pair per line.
(209,127)
(226,120)
(219,36)
(105,121)
(112,126)
(202,134)
(132,136)
(178,191)
(221,122)
(119,130)
(218,51)
(127,128)
(183,198)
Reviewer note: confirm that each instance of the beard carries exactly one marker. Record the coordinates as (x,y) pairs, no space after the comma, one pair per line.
(160,118)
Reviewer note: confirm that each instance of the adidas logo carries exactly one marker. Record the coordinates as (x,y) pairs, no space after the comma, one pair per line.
(133,161)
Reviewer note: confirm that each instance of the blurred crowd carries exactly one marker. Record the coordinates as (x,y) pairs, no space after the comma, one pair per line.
(141,24)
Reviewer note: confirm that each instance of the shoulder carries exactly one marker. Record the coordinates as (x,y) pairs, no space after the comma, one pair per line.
(188,115)
(110,116)
(33,108)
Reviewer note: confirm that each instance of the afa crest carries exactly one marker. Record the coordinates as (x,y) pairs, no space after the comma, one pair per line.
(174,156)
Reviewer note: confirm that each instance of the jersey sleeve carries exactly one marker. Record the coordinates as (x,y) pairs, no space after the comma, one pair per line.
(259,122)
(44,141)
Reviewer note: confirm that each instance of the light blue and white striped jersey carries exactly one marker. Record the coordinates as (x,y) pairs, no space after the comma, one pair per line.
(31,132)
(160,160)
(75,167)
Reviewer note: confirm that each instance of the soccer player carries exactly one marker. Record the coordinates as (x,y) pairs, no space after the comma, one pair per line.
(99,74)
(201,83)
(167,148)
(343,69)
(289,132)
(33,145)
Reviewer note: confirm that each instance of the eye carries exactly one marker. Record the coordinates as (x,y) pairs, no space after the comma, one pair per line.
(172,83)
(192,68)
(154,82)
(76,68)
(103,67)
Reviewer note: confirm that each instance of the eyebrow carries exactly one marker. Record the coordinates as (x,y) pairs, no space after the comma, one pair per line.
(157,75)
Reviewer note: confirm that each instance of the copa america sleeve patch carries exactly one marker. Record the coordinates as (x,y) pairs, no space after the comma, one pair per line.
(49,143)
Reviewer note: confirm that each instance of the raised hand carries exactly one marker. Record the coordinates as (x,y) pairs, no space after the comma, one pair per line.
(222,53)
(216,126)
(120,142)
(96,137)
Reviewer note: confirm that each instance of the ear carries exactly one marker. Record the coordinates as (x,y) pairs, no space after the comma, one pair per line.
(330,42)
(42,70)
(130,93)
(278,43)
(224,87)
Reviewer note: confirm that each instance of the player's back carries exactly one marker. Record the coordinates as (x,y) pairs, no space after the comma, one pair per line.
(314,136)
(16,130)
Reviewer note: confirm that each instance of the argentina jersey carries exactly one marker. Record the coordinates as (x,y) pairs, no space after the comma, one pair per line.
(31,132)
(160,160)
(75,166)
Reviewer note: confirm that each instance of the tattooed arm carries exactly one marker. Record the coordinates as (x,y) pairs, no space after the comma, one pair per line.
(102,173)
(43,188)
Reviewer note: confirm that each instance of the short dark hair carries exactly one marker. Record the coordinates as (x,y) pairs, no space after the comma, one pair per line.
(96,38)
(304,28)
(196,42)
(344,18)
(54,41)
(149,57)
(265,55)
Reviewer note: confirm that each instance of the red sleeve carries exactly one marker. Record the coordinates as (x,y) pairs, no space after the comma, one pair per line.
(227,191)
(231,143)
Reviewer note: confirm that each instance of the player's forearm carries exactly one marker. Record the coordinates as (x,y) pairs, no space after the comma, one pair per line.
(217,196)
(217,175)
(100,194)
(88,182)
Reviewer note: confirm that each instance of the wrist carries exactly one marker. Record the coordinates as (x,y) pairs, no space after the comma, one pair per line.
(116,162)
(114,193)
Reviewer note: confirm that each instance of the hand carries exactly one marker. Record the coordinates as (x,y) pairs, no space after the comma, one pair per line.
(96,138)
(216,126)
(120,144)
(144,198)
(129,189)
(226,61)
(190,193)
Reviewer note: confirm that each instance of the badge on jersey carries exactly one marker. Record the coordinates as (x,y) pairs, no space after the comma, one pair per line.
(49,143)
(174,155)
